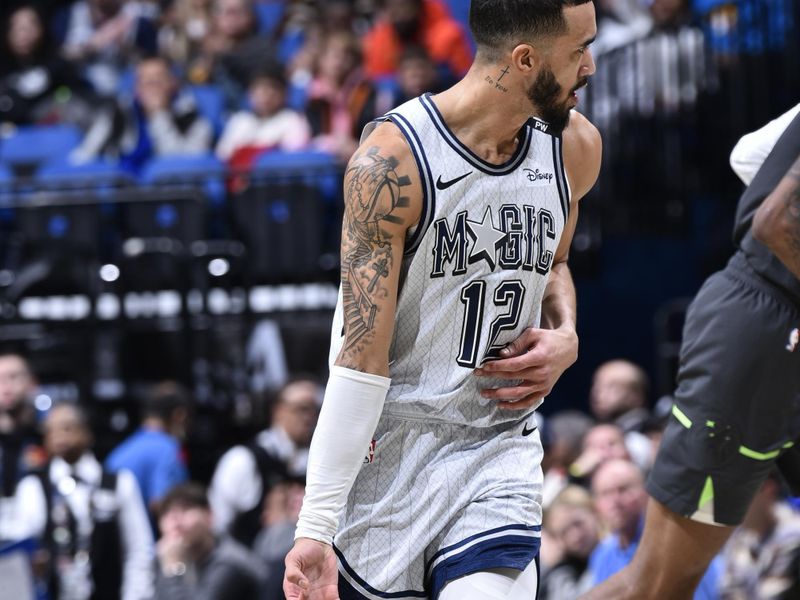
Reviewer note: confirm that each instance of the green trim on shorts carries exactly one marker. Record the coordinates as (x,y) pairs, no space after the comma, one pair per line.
(682,418)
(758,455)
(708,493)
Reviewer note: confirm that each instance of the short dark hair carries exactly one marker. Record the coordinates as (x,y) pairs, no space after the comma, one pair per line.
(414,52)
(165,398)
(295,378)
(499,24)
(272,72)
(12,351)
(185,495)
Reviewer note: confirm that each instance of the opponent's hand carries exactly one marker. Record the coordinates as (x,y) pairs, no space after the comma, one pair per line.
(538,357)
(311,572)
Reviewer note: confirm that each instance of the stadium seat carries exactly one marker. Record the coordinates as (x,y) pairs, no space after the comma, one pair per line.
(270,13)
(156,234)
(282,224)
(6,196)
(204,171)
(6,180)
(29,146)
(95,175)
(312,167)
(210,103)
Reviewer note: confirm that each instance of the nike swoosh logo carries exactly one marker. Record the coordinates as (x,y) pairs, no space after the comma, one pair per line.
(526,431)
(443,185)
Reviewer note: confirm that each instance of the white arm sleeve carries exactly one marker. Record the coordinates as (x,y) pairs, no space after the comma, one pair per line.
(350,412)
(752,149)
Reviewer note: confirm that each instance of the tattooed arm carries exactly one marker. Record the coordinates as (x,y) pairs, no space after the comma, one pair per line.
(776,223)
(382,195)
(383,198)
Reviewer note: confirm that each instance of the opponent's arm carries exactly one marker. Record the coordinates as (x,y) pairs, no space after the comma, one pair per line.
(540,356)
(753,148)
(776,223)
(382,200)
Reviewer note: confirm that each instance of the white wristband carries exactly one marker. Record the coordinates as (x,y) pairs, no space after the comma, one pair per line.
(350,413)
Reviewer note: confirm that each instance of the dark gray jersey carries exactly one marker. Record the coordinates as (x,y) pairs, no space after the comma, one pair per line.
(764,262)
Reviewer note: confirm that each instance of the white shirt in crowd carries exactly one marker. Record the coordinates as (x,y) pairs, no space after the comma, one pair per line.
(286,130)
(236,485)
(135,533)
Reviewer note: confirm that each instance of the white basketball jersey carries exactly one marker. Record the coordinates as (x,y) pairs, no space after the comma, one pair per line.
(475,268)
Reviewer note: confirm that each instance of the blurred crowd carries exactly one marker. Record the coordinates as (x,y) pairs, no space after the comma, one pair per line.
(145,79)
(142,79)
(135,526)
(152,78)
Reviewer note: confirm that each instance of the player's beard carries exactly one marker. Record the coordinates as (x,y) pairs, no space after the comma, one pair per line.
(547,97)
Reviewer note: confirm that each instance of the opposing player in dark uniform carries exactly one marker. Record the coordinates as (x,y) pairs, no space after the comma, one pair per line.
(737,405)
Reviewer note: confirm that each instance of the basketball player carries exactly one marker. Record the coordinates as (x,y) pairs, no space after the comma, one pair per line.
(460,209)
(737,406)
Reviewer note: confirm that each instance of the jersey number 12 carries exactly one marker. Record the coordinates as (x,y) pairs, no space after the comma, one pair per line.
(510,294)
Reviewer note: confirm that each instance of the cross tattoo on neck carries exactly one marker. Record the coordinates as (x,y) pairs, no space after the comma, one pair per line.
(502,73)
(380,271)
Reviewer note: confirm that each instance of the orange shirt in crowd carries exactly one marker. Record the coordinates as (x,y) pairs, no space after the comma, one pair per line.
(442,37)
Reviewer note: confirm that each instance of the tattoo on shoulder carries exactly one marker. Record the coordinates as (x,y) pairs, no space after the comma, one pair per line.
(374,190)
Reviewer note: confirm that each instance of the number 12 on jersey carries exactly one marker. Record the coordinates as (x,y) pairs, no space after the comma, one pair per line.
(509,293)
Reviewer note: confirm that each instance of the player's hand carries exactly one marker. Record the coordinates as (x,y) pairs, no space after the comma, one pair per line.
(311,572)
(538,357)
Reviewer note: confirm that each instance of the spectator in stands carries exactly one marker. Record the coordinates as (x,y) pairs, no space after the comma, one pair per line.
(563,441)
(620,499)
(104,37)
(91,523)
(423,23)
(670,15)
(762,557)
(20,449)
(153,453)
(341,100)
(279,519)
(232,51)
(416,74)
(184,25)
(194,563)
(301,38)
(161,121)
(619,395)
(268,125)
(573,527)
(601,443)
(245,474)
(36,84)
(619,22)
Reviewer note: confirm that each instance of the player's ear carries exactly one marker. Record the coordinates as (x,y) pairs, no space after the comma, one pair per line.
(525,58)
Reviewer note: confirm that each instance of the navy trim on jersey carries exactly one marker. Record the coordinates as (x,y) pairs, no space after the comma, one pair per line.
(468,155)
(428,191)
(353,594)
(561,177)
(502,552)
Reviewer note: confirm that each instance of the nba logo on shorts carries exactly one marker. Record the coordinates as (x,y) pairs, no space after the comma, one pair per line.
(370,453)
(794,339)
